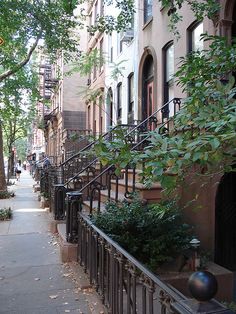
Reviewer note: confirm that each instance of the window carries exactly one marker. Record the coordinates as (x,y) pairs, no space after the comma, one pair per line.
(94,117)
(110,107)
(90,24)
(119,101)
(195,42)
(110,48)
(147,10)
(168,72)
(130,92)
(100,113)
(101,56)
(95,72)
(119,44)
(101,7)
(89,117)
(95,13)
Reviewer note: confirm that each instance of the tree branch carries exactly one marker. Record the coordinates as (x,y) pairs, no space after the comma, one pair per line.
(21,64)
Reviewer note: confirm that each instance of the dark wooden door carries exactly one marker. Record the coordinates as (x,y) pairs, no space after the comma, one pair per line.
(225,222)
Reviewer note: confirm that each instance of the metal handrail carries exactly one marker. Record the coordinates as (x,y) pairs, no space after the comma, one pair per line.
(133,148)
(93,143)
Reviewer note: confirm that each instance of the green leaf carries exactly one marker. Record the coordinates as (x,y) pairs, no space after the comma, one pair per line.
(215,143)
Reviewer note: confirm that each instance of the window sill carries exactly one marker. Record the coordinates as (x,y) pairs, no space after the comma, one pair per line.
(148,23)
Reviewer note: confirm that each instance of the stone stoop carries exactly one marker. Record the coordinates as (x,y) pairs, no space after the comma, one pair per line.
(68,251)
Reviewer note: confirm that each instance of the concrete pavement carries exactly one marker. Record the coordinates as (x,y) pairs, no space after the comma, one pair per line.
(32,278)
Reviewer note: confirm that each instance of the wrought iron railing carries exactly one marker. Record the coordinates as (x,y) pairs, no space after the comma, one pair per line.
(83,171)
(138,137)
(74,140)
(124,284)
(83,158)
(63,179)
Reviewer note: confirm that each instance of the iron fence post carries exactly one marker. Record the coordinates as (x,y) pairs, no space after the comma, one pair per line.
(73,206)
(59,201)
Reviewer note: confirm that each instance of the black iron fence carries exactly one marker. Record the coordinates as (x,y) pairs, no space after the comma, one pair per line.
(125,285)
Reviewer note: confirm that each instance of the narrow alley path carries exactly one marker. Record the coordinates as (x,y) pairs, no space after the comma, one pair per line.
(32,278)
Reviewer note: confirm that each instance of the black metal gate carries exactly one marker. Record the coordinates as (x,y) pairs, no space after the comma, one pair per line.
(225,222)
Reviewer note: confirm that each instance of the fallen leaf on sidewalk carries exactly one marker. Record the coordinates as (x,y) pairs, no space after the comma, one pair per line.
(53,296)
(67,275)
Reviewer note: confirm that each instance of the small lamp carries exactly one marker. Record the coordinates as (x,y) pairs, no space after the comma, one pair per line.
(195,243)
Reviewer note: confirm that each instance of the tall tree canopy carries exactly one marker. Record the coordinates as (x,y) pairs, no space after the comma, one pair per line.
(24,23)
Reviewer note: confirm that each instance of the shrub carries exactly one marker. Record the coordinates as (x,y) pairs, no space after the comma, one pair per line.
(5,213)
(45,194)
(154,234)
(6,194)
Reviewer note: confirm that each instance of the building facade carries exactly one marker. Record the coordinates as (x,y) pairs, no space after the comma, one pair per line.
(148,59)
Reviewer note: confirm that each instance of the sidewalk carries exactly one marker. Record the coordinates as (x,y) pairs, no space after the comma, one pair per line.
(32,278)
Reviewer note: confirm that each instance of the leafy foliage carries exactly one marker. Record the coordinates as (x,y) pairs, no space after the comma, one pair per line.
(201,9)
(6,194)
(25,23)
(109,23)
(5,213)
(117,151)
(153,234)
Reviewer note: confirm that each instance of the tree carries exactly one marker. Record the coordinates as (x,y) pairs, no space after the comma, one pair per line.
(18,95)
(27,24)
(3,185)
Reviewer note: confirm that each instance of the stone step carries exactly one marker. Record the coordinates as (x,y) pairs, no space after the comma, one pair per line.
(86,207)
(104,196)
(138,176)
(152,194)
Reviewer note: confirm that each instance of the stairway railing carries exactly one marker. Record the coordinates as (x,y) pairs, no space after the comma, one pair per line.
(84,165)
(80,160)
(92,186)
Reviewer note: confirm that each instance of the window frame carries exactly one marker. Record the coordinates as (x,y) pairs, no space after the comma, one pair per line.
(147,16)
(130,95)
(119,100)
(190,32)
(167,83)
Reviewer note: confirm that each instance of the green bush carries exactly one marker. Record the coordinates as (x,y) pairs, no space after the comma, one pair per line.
(154,234)
(5,213)
(6,194)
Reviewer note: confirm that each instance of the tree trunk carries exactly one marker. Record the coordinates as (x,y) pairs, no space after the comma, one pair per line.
(10,167)
(3,185)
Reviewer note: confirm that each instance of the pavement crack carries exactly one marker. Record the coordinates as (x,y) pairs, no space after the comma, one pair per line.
(19,274)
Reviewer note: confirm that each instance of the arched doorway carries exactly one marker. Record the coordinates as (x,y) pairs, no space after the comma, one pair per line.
(225,202)
(147,87)
(225,222)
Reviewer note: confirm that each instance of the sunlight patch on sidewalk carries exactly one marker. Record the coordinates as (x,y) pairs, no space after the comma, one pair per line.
(30,210)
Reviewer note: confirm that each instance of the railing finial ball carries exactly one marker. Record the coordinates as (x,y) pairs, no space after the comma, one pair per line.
(203,285)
